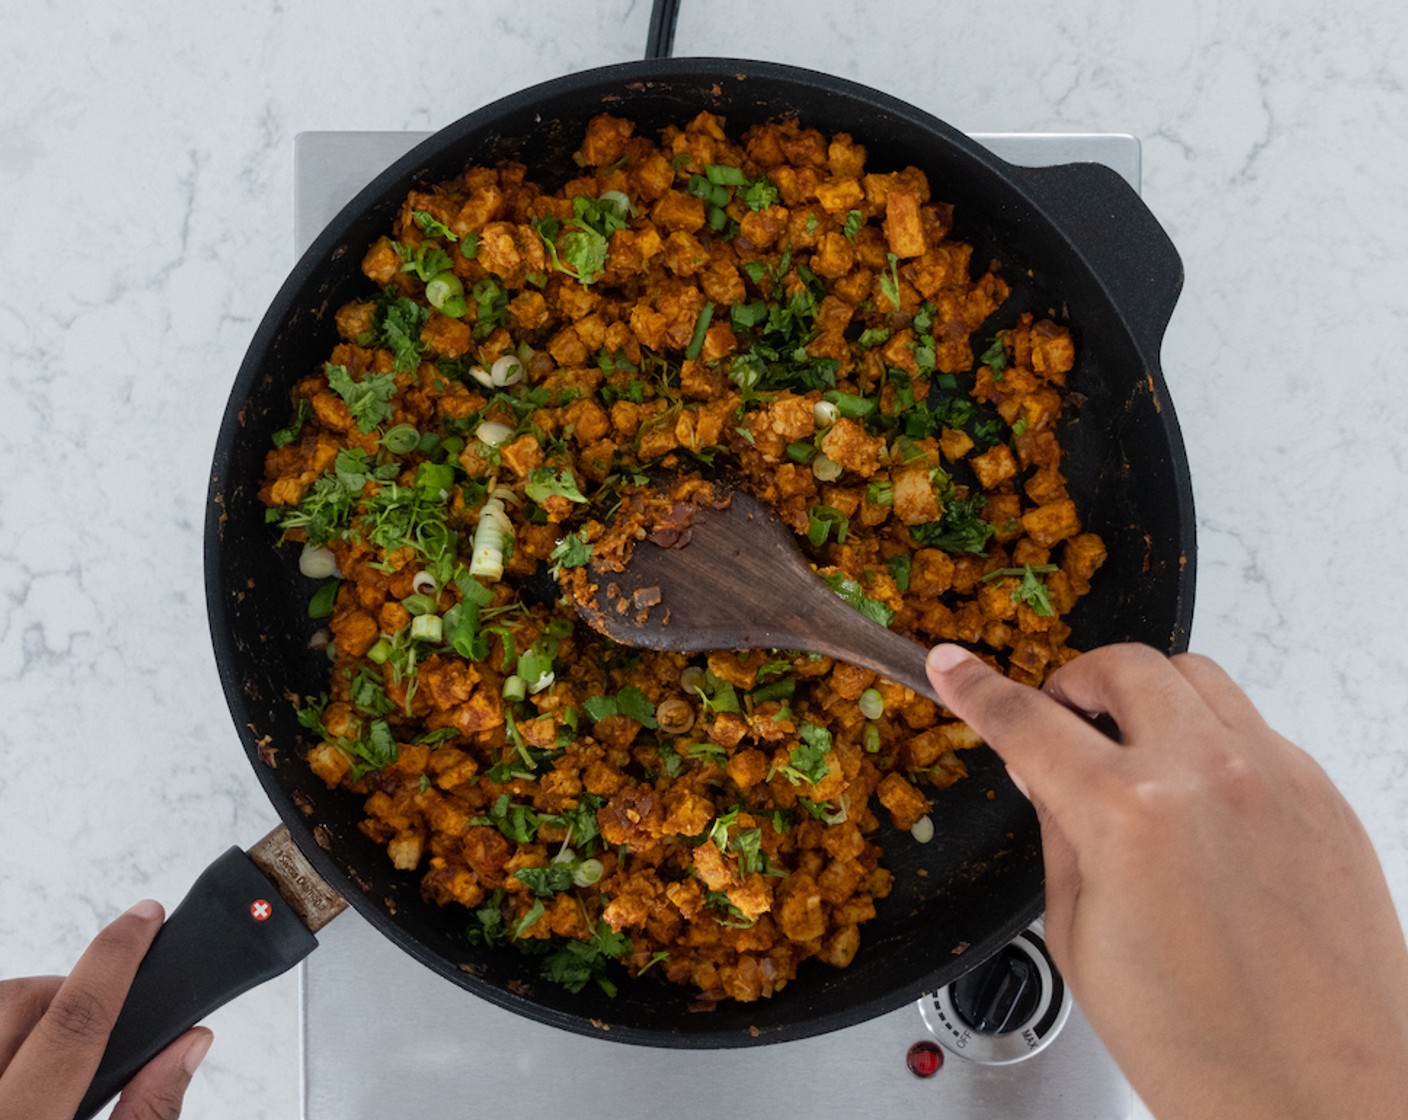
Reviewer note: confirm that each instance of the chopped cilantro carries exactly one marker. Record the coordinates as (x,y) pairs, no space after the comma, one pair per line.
(375,752)
(960,529)
(854,220)
(759,194)
(409,516)
(368,400)
(285,436)
(806,762)
(545,882)
(432,225)
(853,595)
(1032,589)
(995,357)
(488,927)
(578,963)
(491,305)
(426,260)
(899,569)
(529,919)
(544,483)
(890,281)
(579,248)
(324,511)
(401,323)
(630,702)
(571,552)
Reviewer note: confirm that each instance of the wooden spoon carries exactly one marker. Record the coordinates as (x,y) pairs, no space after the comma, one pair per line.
(734,578)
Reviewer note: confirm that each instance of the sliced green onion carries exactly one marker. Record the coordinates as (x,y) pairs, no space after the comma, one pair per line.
(923,829)
(515,688)
(872,704)
(693,679)
(490,536)
(825,468)
(316,563)
(721,174)
(452,446)
(824,414)
(507,370)
(718,218)
(445,293)
(619,198)
(801,451)
(380,652)
(427,628)
(849,405)
(427,443)
(423,583)
(588,873)
(419,604)
(400,439)
(701,324)
(491,433)
(880,493)
(321,604)
(872,739)
(473,592)
(774,690)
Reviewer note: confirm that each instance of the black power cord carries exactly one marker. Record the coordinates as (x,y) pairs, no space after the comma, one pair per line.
(660,43)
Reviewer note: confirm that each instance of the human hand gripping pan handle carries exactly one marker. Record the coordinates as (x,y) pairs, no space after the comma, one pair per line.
(248,918)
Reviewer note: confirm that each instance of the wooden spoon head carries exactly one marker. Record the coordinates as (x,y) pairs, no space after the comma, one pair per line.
(706,577)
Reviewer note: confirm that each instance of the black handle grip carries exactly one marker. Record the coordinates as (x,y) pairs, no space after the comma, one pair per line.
(660,41)
(231,932)
(1126,248)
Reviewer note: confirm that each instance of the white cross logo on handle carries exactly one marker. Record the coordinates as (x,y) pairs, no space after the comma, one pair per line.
(260,910)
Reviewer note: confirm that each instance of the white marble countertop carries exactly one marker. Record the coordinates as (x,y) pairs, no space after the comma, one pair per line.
(145,210)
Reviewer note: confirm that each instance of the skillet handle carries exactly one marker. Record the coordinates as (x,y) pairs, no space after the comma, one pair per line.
(1126,248)
(230,933)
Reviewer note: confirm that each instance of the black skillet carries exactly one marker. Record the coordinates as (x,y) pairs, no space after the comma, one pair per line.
(1075,242)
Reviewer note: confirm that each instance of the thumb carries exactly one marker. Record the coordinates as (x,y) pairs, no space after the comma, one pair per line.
(159,1088)
(1051,752)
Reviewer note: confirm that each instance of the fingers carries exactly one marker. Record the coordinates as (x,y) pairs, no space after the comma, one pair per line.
(1219,691)
(1134,683)
(22,1004)
(1054,752)
(52,1068)
(157,1091)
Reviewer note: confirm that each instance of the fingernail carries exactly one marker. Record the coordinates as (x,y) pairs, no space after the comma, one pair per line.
(148,910)
(196,1052)
(945,657)
(1017,781)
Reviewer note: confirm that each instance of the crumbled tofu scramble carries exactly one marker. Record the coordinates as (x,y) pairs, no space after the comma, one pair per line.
(698,302)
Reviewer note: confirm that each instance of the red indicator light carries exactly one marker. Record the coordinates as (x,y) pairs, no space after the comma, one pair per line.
(924,1059)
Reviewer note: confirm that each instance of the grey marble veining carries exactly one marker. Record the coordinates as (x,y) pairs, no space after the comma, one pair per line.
(145,209)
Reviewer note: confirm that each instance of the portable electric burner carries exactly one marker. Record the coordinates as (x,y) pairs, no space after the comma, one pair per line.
(384,1038)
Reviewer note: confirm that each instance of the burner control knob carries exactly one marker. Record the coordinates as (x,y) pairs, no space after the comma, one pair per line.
(1000,995)
(1004,1010)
